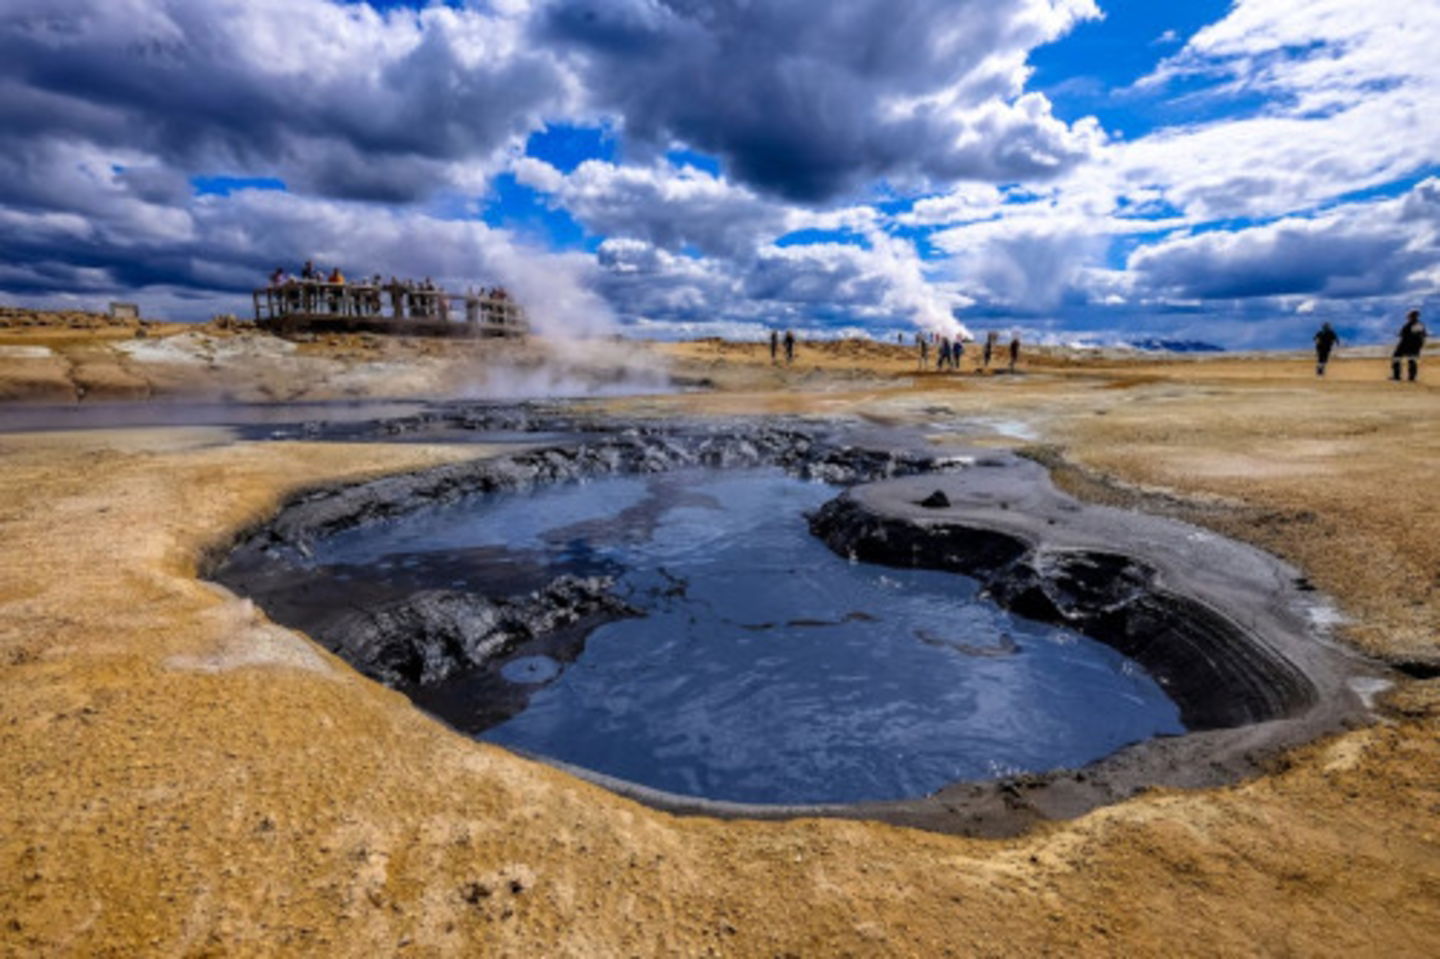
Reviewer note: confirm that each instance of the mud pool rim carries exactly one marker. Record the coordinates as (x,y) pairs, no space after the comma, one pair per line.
(1006,518)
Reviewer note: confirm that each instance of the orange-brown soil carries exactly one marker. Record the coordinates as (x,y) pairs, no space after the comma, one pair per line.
(180,776)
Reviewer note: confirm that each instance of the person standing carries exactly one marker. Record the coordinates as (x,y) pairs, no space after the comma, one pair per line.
(337,291)
(1014,351)
(1412,341)
(944,359)
(957,353)
(774,347)
(990,340)
(1325,341)
(924,344)
(789,347)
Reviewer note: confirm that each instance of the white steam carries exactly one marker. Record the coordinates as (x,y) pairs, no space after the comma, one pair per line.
(574,350)
(910,293)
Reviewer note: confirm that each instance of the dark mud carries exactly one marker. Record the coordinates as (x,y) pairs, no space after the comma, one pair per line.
(400,630)
(1226,630)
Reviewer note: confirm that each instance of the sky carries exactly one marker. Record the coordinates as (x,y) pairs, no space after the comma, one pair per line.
(1075,170)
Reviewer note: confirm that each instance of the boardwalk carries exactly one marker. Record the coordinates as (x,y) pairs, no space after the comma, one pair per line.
(310,306)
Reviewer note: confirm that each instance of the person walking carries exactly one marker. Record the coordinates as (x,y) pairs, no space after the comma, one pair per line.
(944,359)
(957,352)
(1325,341)
(1412,341)
(990,340)
(774,347)
(1014,351)
(924,344)
(789,347)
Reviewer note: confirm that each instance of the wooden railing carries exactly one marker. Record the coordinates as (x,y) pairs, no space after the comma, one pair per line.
(301,305)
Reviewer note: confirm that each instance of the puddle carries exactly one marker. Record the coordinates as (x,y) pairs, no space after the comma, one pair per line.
(764,668)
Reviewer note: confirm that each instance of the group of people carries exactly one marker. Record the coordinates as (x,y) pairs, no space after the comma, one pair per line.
(1408,346)
(788,340)
(315,291)
(949,352)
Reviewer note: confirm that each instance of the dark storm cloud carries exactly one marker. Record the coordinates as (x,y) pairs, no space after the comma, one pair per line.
(809,99)
(333,99)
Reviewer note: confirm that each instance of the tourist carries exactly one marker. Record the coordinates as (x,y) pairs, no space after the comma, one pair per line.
(308,276)
(774,347)
(944,358)
(924,343)
(990,340)
(1325,341)
(337,280)
(957,352)
(789,347)
(1412,341)
(397,302)
(1014,351)
(278,277)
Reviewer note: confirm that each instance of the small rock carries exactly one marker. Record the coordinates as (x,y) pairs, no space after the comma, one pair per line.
(936,500)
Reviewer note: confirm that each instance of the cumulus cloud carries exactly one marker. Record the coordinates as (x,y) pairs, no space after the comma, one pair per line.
(1348,91)
(816,286)
(1257,204)
(211,251)
(682,242)
(386,128)
(667,206)
(809,99)
(335,99)
(1359,250)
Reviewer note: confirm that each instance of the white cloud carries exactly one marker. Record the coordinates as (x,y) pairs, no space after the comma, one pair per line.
(811,99)
(1379,248)
(379,122)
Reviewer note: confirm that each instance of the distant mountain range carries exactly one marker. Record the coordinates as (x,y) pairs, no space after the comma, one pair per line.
(1175,346)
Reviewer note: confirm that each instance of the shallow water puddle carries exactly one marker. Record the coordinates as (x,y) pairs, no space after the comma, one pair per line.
(765,668)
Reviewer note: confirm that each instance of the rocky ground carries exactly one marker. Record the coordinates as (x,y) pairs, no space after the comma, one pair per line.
(179,775)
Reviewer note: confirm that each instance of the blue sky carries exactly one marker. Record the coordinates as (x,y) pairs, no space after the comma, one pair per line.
(1071,169)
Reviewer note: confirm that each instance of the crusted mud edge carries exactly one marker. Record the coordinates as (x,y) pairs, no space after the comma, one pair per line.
(1229,631)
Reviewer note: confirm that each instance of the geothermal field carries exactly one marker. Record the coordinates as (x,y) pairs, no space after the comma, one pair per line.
(365,645)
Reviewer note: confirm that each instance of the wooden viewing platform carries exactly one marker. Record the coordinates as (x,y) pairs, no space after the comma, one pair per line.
(310,306)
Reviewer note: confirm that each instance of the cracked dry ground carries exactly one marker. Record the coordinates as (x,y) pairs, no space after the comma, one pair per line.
(178,775)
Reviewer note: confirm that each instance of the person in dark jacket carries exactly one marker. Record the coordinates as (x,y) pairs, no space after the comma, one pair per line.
(1412,341)
(1325,341)
(789,347)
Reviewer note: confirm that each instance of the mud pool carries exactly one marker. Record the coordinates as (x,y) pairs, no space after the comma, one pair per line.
(758,666)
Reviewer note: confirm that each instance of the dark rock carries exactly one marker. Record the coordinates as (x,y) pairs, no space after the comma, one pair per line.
(936,500)
(1209,665)
(430,635)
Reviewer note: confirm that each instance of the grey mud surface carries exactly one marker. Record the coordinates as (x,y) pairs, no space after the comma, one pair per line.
(1231,633)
